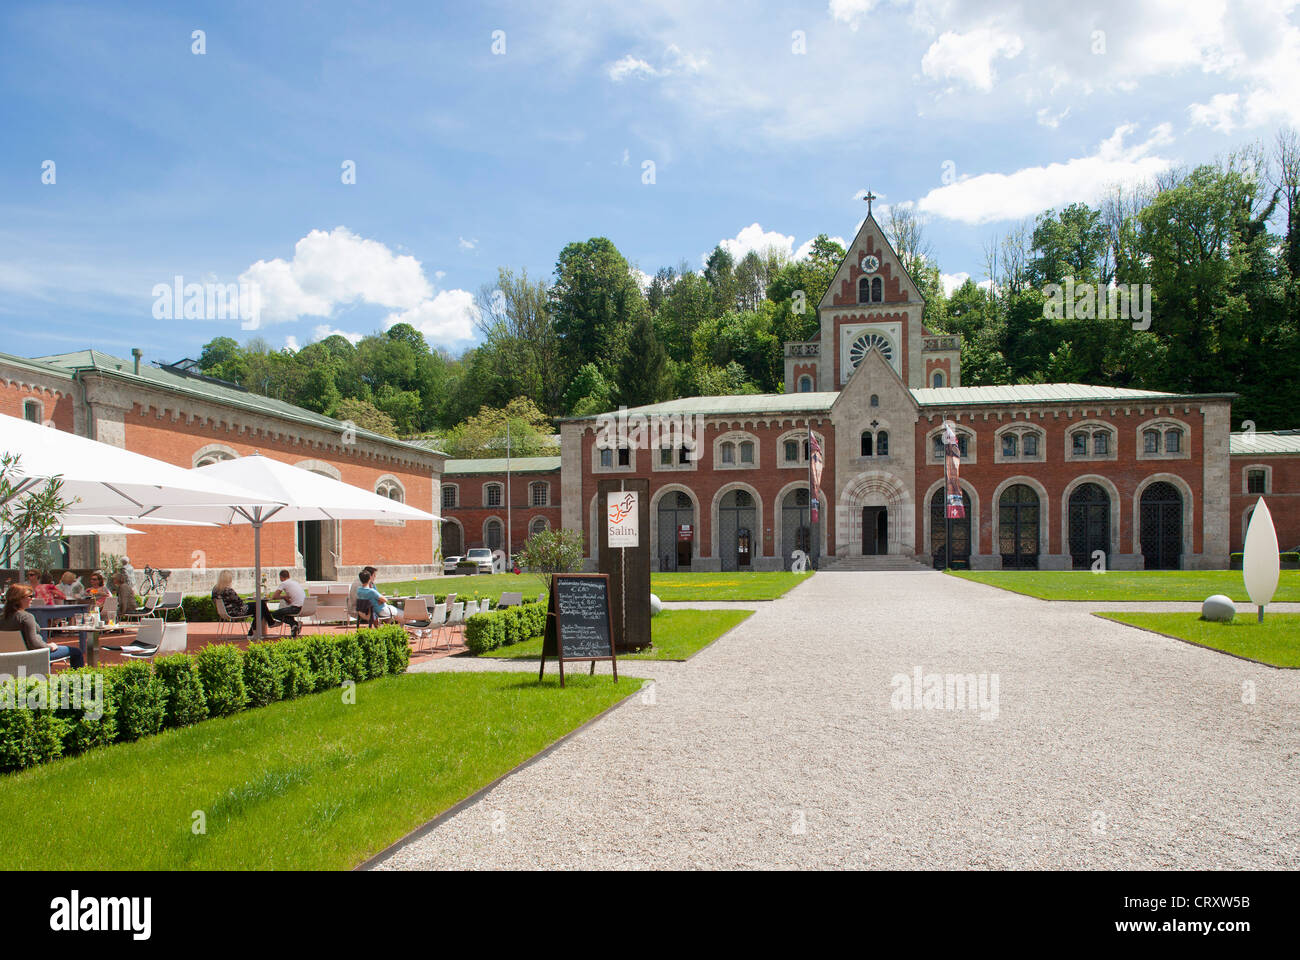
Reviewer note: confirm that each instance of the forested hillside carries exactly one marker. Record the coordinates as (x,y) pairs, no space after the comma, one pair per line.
(1218,244)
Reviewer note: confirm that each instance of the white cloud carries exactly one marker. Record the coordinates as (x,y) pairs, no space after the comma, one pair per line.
(1046,118)
(755,238)
(333,269)
(848,11)
(448,316)
(805,248)
(630,66)
(339,269)
(995,196)
(467,244)
(291,343)
(1217,113)
(951,281)
(321,331)
(968,57)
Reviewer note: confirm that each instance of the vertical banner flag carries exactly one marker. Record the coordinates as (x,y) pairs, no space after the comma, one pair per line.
(816,461)
(956,510)
(623,519)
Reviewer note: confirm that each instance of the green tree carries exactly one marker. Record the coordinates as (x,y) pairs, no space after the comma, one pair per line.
(641,376)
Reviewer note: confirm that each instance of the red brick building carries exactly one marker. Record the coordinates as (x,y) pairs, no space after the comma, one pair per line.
(173,414)
(1051,474)
(481,498)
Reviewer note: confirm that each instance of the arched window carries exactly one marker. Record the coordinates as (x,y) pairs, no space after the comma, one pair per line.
(747,452)
(1101,443)
(450,495)
(1151,441)
(1256,481)
(538,525)
(866,443)
(492,534)
(32,411)
(864,290)
(805,384)
(728,453)
(391,489)
(938,378)
(492,495)
(875,400)
(538,493)
(212,456)
(877,290)
(882,443)
(1173,441)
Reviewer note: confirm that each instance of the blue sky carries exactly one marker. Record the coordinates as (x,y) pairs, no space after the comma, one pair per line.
(763,123)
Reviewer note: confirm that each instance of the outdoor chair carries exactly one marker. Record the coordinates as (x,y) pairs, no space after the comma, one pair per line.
(455,618)
(35,663)
(146,608)
(451,598)
(11,641)
(109,610)
(310,607)
(364,612)
(333,613)
(437,620)
(415,615)
(173,640)
(510,600)
(148,637)
(224,618)
(171,600)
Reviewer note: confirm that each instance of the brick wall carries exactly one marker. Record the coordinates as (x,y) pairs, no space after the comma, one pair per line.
(1282,497)
(472,513)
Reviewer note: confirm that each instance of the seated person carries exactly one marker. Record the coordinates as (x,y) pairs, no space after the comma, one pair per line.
(236,606)
(380,606)
(16,617)
(72,587)
(97,591)
(47,592)
(294,596)
(124,590)
(356,585)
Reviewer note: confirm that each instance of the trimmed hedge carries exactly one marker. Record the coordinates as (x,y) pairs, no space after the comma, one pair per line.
(141,698)
(500,628)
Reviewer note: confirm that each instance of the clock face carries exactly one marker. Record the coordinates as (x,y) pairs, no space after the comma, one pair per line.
(870,264)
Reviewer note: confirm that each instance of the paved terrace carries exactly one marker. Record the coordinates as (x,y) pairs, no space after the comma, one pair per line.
(777,747)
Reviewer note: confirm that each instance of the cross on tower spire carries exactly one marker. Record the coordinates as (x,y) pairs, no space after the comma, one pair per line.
(869,197)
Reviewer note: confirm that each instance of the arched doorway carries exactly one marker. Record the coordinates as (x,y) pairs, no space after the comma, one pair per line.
(1089,525)
(737,520)
(677,530)
(493,535)
(453,540)
(1018,519)
(939,531)
(875,531)
(794,525)
(1161,525)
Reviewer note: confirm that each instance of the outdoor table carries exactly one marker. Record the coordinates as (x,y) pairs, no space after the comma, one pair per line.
(47,613)
(89,639)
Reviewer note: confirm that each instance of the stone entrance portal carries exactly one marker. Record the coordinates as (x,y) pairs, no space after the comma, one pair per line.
(875,531)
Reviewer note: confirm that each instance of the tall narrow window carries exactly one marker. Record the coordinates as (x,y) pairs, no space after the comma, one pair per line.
(877,290)
(1173,441)
(1101,443)
(448,497)
(805,384)
(747,452)
(728,453)
(791,451)
(606,457)
(624,457)
(866,443)
(1151,441)
(1008,445)
(494,495)
(938,378)
(1255,481)
(882,443)
(1079,443)
(1031,445)
(864,290)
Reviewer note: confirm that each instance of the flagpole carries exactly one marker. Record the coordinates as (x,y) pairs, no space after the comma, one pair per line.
(812,496)
(947,514)
(509,545)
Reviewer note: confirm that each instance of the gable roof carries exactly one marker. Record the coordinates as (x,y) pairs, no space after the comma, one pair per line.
(849,269)
(498,465)
(1049,393)
(211,390)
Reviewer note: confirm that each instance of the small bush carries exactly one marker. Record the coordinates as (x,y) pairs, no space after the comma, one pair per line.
(140,699)
(399,648)
(89,724)
(30,733)
(221,671)
(186,703)
(263,674)
(323,656)
(198,609)
(498,628)
(296,667)
(352,659)
(374,650)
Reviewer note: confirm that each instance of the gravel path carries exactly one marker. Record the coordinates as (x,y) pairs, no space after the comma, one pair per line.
(778,747)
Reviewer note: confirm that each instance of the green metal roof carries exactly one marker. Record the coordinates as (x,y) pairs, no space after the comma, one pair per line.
(746,403)
(36,366)
(498,465)
(166,380)
(1048,393)
(1273,443)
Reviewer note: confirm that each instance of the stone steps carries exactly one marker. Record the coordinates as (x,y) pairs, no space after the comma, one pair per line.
(869,563)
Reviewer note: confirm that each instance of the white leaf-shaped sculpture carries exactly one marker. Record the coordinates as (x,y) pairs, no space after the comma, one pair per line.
(1260,566)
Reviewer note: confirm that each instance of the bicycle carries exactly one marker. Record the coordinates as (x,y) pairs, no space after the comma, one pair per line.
(155,581)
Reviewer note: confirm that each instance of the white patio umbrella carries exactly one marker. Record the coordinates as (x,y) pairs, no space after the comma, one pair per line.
(298,494)
(103,480)
(101,527)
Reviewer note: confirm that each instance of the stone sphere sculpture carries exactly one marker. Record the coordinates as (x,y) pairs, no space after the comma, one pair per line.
(656,605)
(1218,608)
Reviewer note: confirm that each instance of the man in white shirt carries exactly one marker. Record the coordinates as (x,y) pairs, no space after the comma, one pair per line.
(294,596)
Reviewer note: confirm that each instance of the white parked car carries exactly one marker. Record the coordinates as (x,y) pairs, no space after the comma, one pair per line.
(449,564)
(483,557)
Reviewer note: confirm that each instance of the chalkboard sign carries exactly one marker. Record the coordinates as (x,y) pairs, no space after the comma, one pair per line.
(578,624)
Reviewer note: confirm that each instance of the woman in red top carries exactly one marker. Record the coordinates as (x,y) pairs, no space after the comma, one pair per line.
(47,592)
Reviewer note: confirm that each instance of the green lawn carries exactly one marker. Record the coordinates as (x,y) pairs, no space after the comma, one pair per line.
(1276,641)
(302,784)
(750,585)
(670,587)
(676,635)
(1138,585)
